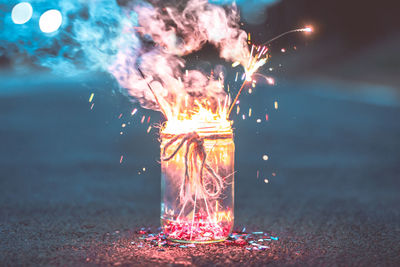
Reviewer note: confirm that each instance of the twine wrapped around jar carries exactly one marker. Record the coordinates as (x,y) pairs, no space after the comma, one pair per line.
(193,139)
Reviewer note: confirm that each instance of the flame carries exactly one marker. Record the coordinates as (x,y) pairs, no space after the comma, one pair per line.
(199,116)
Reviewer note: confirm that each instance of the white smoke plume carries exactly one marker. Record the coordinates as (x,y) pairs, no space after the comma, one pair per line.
(168,30)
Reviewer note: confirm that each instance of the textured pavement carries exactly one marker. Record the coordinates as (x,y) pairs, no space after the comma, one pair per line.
(65,199)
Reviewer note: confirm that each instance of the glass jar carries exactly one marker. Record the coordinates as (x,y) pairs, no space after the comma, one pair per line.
(197,184)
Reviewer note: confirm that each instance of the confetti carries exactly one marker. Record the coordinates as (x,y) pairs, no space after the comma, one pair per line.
(133,111)
(257,233)
(266,117)
(249,241)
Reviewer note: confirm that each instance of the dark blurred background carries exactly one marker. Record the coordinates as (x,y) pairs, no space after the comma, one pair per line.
(75,184)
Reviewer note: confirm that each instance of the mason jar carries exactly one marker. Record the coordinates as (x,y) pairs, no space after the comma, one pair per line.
(197,183)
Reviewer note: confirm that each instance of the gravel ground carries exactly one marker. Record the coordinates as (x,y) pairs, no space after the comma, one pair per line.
(65,199)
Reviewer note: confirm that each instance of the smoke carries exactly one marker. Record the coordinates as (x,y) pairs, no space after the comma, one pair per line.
(87,40)
(102,35)
(179,28)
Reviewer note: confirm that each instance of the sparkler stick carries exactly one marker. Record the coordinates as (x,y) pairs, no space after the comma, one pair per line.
(253,65)
(154,94)
(235,100)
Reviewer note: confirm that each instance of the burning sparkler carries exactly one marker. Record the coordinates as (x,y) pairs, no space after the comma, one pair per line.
(258,60)
(197,148)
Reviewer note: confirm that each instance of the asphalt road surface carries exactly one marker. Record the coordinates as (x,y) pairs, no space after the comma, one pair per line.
(332,197)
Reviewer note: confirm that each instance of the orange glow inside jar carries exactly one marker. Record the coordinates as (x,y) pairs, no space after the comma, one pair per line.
(197,168)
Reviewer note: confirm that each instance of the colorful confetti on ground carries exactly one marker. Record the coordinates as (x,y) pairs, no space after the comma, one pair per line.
(250,241)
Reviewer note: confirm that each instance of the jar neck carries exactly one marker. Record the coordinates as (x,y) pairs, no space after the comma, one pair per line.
(203,129)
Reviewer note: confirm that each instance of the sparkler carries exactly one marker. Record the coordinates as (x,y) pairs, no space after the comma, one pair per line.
(197,149)
(154,94)
(258,60)
(201,174)
(197,154)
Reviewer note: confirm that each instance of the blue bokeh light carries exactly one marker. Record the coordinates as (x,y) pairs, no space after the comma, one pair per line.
(21,13)
(50,21)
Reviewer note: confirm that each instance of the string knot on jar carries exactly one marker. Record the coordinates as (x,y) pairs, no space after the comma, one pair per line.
(194,150)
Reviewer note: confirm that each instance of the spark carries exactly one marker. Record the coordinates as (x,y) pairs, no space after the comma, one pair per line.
(120,115)
(91,107)
(276,104)
(270,80)
(259,59)
(123,125)
(265,157)
(121,159)
(266,117)
(142,120)
(91,97)
(307,29)
(133,111)
(149,129)
(266,181)
(258,120)
(235,64)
